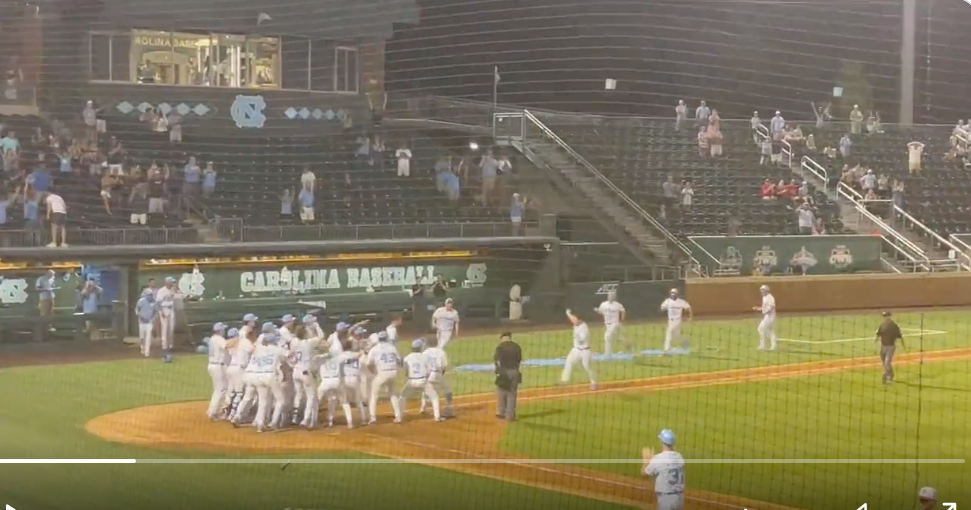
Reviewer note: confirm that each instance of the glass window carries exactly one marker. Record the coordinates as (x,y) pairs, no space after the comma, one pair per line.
(345,70)
(151,57)
(189,52)
(121,57)
(100,57)
(229,61)
(264,57)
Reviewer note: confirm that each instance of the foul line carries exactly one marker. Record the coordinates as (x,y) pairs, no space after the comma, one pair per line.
(912,331)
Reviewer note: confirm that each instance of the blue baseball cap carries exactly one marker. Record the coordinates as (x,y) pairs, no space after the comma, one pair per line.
(342,326)
(308,318)
(418,344)
(288,318)
(250,318)
(233,333)
(269,327)
(359,331)
(147,292)
(382,336)
(169,279)
(218,327)
(270,338)
(667,437)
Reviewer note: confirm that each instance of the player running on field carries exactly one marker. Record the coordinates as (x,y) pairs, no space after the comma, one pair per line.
(678,310)
(767,326)
(445,321)
(614,314)
(580,351)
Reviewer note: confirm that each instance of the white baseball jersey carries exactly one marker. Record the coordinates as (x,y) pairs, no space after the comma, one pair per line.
(334,345)
(611,311)
(372,341)
(445,319)
(581,336)
(415,366)
(392,332)
(435,359)
(302,352)
(675,308)
(351,364)
(768,306)
(316,330)
(384,356)
(266,359)
(285,337)
(243,352)
(217,350)
(166,299)
(245,331)
(667,469)
(331,368)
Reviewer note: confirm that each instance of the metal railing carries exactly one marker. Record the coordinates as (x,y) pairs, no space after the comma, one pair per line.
(252,234)
(816,169)
(29,238)
(963,136)
(764,134)
(668,236)
(961,259)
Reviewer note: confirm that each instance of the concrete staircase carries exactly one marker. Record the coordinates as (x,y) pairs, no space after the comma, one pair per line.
(606,199)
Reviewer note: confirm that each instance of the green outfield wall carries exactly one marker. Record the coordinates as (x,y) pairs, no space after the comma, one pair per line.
(781,254)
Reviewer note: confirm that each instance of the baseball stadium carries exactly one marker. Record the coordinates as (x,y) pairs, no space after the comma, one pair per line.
(501,254)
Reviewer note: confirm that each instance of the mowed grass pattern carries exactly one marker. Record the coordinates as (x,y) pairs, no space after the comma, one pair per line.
(44,410)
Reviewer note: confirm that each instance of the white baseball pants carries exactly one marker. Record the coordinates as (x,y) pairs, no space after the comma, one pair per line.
(354,394)
(384,378)
(330,390)
(167,322)
(444,337)
(145,337)
(767,331)
(581,355)
(425,388)
(611,333)
(249,395)
(219,386)
(670,501)
(441,385)
(672,334)
(304,397)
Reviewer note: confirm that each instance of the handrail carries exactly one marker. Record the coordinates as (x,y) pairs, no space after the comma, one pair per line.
(765,134)
(935,235)
(787,150)
(706,252)
(842,188)
(900,251)
(958,242)
(816,169)
(586,164)
(963,136)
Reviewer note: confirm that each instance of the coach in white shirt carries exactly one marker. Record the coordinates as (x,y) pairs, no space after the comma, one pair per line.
(677,310)
(614,314)
(767,326)
(57,216)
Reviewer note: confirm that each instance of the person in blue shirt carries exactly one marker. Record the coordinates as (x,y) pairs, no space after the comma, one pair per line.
(306,199)
(65,164)
(146,309)
(5,201)
(90,299)
(208,180)
(10,142)
(40,179)
(191,176)
(452,186)
(286,204)
(45,293)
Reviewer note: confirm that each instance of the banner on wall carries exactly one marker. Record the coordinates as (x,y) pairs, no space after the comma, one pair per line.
(779,254)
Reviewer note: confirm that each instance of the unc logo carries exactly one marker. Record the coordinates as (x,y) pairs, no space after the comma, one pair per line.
(247,111)
(476,274)
(13,291)
(193,284)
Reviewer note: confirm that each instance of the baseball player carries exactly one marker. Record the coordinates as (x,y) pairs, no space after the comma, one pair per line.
(614,314)
(417,372)
(580,351)
(315,327)
(263,379)
(285,334)
(302,359)
(351,359)
(166,298)
(677,310)
(286,330)
(335,340)
(330,389)
(217,369)
(927,498)
(437,362)
(384,361)
(249,326)
(147,311)
(767,326)
(667,470)
(392,329)
(445,321)
(241,352)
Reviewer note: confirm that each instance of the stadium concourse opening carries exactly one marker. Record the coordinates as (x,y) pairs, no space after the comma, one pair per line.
(276,243)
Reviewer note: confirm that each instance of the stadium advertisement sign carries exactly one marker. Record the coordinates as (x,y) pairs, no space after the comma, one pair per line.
(308,280)
(19,296)
(796,254)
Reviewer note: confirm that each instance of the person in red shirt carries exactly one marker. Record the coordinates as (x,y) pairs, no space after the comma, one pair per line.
(791,190)
(768,190)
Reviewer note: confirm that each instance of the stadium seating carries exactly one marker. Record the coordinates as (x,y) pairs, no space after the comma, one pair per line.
(637,155)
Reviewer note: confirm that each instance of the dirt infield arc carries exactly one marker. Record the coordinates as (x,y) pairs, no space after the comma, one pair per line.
(475,434)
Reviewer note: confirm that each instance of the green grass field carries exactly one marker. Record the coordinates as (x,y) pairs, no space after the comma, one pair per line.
(848,414)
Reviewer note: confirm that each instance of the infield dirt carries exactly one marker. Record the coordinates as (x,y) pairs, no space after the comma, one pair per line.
(473,435)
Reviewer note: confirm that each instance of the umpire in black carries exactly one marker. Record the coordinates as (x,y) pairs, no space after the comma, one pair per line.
(507,358)
(887,334)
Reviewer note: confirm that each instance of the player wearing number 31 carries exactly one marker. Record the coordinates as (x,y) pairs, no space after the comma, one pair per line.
(667,469)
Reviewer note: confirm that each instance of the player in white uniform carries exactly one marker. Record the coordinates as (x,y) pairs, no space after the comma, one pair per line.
(580,351)
(667,469)
(384,360)
(331,390)
(248,327)
(315,327)
(678,310)
(416,367)
(285,334)
(166,298)
(335,341)
(767,326)
(147,311)
(392,329)
(352,362)
(217,369)
(437,362)
(232,339)
(614,314)
(241,350)
(305,404)
(364,344)
(445,320)
(263,380)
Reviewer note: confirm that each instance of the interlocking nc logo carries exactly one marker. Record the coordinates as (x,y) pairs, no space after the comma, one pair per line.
(247,111)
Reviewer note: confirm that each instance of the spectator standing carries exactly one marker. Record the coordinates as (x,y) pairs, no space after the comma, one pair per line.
(175,126)
(90,116)
(439,289)
(107,183)
(306,199)
(403,156)
(378,148)
(715,134)
(90,299)
(846,146)
(208,180)
(191,179)
(883,186)
(777,125)
(156,191)
(57,216)
(442,167)
(680,115)
(756,122)
(766,156)
(138,201)
(687,196)
(702,113)
(873,123)
(308,180)
(10,146)
(516,211)
(703,143)
(32,215)
(806,220)
(915,150)
(671,194)
(897,193)
(822,115)
(116,157)
(868,182)
(507,358)
(45,287)
(856,120)
(489,167)
(286,205)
